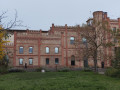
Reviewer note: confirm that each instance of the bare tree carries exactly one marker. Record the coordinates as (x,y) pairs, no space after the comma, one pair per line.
(94,40)
(5,24)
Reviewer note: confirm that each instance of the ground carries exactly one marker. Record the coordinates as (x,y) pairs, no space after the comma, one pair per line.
(75,80)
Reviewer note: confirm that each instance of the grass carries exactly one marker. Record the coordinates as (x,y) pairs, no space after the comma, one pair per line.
(74,80)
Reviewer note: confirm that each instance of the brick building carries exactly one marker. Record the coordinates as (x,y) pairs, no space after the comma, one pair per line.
(54,47)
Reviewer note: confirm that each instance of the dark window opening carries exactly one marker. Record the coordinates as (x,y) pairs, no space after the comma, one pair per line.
(56,61)
(73,63)
(102,64)
(72,60)
(47,60)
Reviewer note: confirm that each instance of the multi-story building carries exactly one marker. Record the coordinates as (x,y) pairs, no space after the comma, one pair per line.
(54,47)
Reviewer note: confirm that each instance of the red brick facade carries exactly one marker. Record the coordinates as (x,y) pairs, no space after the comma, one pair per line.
(57,36)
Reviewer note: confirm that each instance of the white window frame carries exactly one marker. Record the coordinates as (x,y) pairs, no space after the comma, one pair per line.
(47,50)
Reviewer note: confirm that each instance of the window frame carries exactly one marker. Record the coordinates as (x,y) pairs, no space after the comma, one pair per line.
(47,59)
(21,47)
(57,50)
(29,50)
(46,50)
(20,61)
(72,40)
(57,60)
(29,61)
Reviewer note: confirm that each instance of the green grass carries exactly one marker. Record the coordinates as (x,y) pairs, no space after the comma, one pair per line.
(74,80)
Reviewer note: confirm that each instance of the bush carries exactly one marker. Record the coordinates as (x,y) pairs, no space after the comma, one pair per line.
(3,70)
(64,70)
(15,70)
(87,69)
(112,72)
(39,69)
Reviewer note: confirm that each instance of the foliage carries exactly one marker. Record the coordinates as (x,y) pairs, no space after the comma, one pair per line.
(112,72)
(74,80)
(2,42)
(87,70)
(39,69)
(3,69)
(15,70)
(116,60)
(96,40)
(64,70)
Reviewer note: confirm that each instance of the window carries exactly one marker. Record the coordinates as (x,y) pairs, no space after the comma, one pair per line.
(30,49)
(21,50)
(47,60)
(56,61)
(72,60)
(47,49)
(30,61)
(84,40)
(20,61)
(114,29)
(72,40)
(56,49)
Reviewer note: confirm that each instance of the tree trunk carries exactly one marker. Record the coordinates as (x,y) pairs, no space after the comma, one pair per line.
(95,61)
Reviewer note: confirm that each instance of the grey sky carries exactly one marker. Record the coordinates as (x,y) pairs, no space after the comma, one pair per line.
(40,14)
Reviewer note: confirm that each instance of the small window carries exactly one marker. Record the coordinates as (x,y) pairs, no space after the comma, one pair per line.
(30,61)
(72,60)
(20,61)
(84,40)
(114,29)
(56,49)
(47,49)
(47,60)
(20,50)
(56,61)
(72,40)
(30,49)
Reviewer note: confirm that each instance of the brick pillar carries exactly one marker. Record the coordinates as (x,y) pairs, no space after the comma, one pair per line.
(52,28)
(15,38)
(39,44)
(66,45)
(62,47)
(105,15)
(119,22)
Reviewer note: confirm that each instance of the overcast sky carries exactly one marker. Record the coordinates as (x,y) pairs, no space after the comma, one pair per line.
(40,14)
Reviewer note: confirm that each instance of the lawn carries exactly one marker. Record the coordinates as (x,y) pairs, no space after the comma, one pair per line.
(75,80)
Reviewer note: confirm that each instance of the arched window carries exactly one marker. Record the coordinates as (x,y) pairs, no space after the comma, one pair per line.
(72,40)
(47,49)
(56,49)
(20,61)
(73,60)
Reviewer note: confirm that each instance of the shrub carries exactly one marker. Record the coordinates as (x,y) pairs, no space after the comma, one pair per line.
(39,69)
(87,69)
(112,72)
(15,70)
(64,70)
(3,70)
